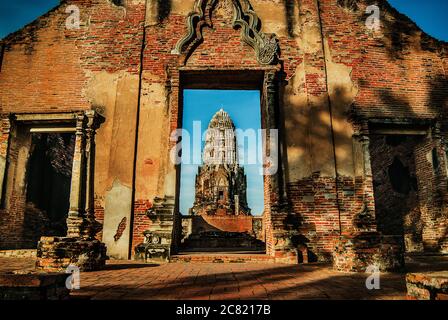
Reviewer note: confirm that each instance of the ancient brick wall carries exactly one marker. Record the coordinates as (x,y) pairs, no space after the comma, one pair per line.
(430,167)
(398,70)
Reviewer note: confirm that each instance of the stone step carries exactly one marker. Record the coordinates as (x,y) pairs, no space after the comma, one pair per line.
(220,239)
(22,253)
(221,258)
(427,286)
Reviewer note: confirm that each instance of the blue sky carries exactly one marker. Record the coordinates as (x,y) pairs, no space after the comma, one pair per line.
(14,14)
(243,106)
(430,15)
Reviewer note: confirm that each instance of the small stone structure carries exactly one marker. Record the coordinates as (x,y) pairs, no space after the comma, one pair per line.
(158,243)
(57,253)
(427,286)
(356,252)
(224,240)
(79,247)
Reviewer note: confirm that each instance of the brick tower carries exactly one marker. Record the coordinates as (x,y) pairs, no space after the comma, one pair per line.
(220,183)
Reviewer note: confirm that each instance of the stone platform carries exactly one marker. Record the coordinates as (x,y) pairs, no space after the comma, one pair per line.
(221,239)
(427,286)
(356,252)
(222,257)
(33,286)
(21,253)
(55,254)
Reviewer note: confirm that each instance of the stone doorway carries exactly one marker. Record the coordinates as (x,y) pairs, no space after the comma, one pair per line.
(221,195)
(396,187)
(221,230)
(48,180)
(409,170)
(37,185)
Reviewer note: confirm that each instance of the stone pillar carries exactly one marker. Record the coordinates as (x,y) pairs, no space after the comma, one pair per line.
(440,232)
(283,224)
(92,227)
(442,170)
(271,92)
(77,193)
(81,218)
(365,218)
(4,146)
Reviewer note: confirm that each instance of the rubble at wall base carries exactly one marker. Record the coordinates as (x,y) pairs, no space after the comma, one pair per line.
(357,252)
(57,253)
(427,286)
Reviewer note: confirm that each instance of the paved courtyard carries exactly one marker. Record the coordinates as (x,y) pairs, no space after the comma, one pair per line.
(216,281)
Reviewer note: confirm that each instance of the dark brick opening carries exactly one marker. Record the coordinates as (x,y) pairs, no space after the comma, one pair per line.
(48,182)
(395,180)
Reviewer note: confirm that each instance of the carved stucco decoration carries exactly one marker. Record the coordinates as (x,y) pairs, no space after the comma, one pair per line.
(348,4)
(265,45)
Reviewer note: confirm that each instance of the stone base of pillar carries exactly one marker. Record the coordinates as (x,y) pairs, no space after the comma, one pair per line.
(427,286)
(159,237)
(55,254)
(357,251)
(444,246)
(286,257)
(286,238)
(149,252)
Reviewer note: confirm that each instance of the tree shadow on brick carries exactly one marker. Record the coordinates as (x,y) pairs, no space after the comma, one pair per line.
(320,138)
(289,16)
(401,33)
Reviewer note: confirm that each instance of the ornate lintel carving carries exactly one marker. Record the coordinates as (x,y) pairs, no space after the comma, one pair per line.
(196,20)
(265,45)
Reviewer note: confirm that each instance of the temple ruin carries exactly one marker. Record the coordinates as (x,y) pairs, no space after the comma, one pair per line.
(360,113)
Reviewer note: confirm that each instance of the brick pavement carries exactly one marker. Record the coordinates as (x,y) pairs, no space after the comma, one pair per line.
(135,281)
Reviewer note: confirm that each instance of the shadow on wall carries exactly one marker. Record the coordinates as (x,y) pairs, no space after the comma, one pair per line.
(306,125)
(290,16)
(163,9)
(401,42)
(310,125)
(391,105)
